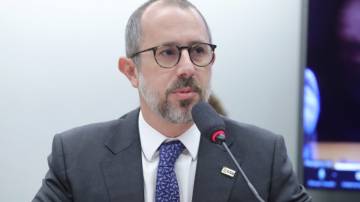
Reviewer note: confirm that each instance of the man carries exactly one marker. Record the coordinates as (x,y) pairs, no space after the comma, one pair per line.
(156,153)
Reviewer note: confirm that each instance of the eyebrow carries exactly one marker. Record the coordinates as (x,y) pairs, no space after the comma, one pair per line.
(178,44)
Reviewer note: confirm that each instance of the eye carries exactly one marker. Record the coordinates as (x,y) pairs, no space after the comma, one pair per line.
(199,49)
(167,51)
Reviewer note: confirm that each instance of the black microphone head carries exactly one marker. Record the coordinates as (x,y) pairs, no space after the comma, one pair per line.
(208,121)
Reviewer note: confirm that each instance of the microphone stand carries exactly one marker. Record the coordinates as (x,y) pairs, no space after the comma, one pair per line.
(251,187)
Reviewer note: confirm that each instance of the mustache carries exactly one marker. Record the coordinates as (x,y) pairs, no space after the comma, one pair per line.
(183,82)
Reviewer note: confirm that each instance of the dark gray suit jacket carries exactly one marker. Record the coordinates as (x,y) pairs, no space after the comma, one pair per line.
(102,163)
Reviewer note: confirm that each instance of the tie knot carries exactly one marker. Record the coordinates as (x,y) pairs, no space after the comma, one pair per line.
(169,152)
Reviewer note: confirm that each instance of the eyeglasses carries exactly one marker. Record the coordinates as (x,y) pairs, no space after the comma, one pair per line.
(167,56)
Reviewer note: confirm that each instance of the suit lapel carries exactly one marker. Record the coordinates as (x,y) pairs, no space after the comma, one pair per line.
(210,183)
(123,171)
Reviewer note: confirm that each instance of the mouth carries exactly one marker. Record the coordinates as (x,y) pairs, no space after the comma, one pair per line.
(184,93)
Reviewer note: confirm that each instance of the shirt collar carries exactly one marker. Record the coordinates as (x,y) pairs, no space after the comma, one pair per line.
(151,139)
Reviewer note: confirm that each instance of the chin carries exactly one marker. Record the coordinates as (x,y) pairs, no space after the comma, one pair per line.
(188,103)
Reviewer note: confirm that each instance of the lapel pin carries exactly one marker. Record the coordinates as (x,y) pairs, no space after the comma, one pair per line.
(227,171)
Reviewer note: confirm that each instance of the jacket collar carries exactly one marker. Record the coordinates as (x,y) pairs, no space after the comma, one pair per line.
(123,170)
(125,133)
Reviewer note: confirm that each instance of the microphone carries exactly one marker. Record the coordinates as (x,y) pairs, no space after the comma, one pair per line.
(212,126)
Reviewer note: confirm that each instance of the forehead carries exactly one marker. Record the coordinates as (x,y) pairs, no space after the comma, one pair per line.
(170,24)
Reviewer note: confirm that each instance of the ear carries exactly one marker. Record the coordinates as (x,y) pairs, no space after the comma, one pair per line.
(128,68)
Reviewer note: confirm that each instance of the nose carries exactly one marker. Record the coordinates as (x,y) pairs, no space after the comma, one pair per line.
(185,68)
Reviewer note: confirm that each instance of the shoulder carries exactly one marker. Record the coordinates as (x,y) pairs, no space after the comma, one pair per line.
(248,132)
(93,135)
(254,141)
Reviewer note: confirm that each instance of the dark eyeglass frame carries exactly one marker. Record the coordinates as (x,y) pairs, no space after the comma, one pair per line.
(180,48)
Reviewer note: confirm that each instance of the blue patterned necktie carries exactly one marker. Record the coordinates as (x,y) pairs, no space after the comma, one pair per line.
(167,188)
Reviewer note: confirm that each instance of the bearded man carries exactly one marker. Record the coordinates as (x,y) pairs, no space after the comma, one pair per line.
(156,152)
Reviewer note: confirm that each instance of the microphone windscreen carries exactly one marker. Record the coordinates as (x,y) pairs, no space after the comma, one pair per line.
(207,119)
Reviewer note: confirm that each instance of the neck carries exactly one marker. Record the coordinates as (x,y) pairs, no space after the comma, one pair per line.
(162,125)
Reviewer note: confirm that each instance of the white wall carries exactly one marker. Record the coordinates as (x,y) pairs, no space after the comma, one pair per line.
(58,70)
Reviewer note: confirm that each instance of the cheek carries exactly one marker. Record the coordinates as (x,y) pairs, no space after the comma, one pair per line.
(205,78)
(157,81)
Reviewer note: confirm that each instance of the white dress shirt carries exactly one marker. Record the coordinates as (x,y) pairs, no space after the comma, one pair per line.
(185,165)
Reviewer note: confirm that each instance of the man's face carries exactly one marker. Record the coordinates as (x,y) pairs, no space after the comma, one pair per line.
(172,92)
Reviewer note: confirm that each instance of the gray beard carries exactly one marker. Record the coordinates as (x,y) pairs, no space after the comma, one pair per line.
(167,110)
